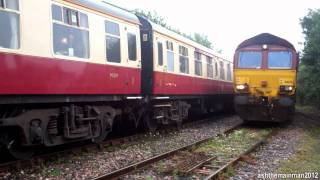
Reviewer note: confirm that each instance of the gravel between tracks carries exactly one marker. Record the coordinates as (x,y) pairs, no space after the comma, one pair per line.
(86,165)
(268,158)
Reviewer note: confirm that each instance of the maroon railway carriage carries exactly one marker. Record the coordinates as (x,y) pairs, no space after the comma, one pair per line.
(72,68)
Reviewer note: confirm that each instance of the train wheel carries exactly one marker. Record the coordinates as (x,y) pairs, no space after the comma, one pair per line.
(18,151)
(150,123)
(105,127)
(13,146)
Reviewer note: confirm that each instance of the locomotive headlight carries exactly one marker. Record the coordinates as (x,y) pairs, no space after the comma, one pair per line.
(265,46)
(240,87)
(286,88)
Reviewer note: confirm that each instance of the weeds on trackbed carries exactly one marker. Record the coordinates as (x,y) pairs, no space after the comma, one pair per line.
(307,158)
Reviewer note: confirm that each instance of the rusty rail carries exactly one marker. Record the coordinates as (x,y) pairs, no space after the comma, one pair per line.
(215,174)
(139,165)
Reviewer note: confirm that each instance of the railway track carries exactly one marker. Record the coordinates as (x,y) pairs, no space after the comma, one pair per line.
(312,118)
(121,172)
(198,165)
(38,159)
(216,171)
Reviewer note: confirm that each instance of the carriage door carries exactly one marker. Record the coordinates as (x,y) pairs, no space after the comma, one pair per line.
(133,59)
(159,66)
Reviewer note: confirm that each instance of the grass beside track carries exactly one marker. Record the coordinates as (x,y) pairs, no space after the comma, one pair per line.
(224,148)
(307,158)
(232,145)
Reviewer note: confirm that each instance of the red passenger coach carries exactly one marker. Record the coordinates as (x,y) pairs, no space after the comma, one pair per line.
(179,74)
(72,68)
(180,66)
(31,75)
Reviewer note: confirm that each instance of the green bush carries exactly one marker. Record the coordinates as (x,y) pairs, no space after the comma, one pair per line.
(309,70)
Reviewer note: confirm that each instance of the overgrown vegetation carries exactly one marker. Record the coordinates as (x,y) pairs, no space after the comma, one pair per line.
(307,158)
(55,172)
(235,143)
(156,18)
(309,71)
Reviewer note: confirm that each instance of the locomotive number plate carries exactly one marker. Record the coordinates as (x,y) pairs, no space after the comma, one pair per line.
(285,81)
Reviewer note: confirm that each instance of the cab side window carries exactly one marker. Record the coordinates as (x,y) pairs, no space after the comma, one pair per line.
(9,24)
(70,32)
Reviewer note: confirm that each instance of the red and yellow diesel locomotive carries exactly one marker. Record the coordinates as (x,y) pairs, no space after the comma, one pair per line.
(265,72)
(70,68)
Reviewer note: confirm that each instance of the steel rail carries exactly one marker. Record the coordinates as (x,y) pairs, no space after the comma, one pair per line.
(309,117)
(144,163)
(215,174)
(200,164)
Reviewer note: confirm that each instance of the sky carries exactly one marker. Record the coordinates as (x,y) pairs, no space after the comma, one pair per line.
(229,22)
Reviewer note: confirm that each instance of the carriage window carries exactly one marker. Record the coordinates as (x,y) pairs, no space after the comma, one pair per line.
(209,67)
(84,22)
(12,4)
(132,46)
(198,64)
(169,45)
(10,27)
(221,70)
(1,3)
(56,12)
(184,60)
(71,17)
(170,56)
(170,59)
(74,18)
(280,60)
(66,15)
(113,47)
(112,28)
(216,69)
(228,72)
(160,54)
(69,41)
(250,59)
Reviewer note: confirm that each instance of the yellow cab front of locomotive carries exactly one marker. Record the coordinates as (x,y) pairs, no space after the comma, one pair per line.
(270,79)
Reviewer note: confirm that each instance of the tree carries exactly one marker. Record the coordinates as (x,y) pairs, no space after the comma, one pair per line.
(309,75)
(202,39)
(154,17)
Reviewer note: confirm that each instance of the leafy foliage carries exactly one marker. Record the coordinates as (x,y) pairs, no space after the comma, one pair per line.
(154,17)
(309,75)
